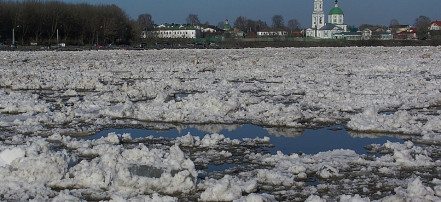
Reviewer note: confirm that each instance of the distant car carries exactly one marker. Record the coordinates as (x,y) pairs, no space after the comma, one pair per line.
(213,45)
(143,45)
(57,45)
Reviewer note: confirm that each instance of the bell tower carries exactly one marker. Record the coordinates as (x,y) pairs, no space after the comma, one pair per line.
(318,16)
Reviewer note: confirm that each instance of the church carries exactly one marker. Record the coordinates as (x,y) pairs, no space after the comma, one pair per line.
(319,28)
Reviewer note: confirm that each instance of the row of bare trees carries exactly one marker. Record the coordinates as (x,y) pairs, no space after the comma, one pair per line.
(49,22)
(45,22)
(248,25)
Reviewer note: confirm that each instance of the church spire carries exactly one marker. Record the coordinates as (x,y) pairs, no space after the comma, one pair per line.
(318,16)
(336,3)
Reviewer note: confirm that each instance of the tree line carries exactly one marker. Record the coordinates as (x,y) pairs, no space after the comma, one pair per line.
(34,21)
(48,22)
(278,23)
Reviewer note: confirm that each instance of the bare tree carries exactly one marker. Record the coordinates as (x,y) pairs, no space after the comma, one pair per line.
(278,21)
(251,26)
(220,24)
(394,23)
(261,25)
(422,24)
(255,26)
(293,24)
(241,23)
(373,28)
(145,22)
(193,20)
(40,21)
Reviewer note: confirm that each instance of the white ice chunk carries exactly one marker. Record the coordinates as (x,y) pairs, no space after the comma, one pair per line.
(415,191)
(356,198)
(314,198)
(257,198)
(227,189)
(9,155)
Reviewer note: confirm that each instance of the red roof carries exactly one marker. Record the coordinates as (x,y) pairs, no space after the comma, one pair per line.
(410,30)
(438,23)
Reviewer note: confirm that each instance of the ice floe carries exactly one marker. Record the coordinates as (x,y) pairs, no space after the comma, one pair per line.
(47,97)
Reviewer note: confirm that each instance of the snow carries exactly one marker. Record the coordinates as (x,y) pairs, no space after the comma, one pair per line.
(256,198)
(226,189)
(415,191)
(9,155)
(48,97)
(314,198)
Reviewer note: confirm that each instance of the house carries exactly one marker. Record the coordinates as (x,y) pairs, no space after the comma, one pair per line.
(329,31)
(272,33)
(408,34)
(296,33)
(399,28)
(172,31)
(387,35)
(251,35)
(366,34)
(211,29)
(435,25)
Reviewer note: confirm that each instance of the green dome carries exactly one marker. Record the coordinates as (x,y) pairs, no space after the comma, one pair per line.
(336,11)
(226,27)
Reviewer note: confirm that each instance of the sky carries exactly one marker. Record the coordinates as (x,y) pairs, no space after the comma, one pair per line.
(357,12)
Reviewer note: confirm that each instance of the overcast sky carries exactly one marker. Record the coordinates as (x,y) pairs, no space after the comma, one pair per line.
(356,12)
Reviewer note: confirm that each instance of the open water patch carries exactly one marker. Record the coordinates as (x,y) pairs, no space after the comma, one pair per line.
(286,140)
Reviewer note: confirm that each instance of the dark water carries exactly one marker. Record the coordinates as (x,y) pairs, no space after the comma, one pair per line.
(309,141)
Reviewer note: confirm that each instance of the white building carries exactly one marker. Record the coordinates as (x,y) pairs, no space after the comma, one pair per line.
(335,22)
(366,34)
(272,33)
(172,32)
(435,25)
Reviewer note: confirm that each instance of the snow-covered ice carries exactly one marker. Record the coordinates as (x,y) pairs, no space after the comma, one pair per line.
(48,97)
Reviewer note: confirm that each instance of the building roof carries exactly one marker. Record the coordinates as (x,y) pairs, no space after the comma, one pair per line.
(336,11)
(226,27)
(350,33)
(400,26)
(436,23)
(173,26)
(273,30)
(409,31)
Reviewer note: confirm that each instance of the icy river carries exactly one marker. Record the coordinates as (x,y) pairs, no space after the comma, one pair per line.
(270,124)
(286,140)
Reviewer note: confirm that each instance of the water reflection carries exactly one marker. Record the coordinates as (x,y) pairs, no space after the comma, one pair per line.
(356,134)
(286,140)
